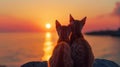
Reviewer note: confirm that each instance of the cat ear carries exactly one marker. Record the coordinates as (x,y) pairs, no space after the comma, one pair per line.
(58,25)
(71,19)
(83,20)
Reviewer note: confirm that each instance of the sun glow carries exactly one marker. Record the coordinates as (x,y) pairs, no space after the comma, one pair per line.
(48,25)
(48,46)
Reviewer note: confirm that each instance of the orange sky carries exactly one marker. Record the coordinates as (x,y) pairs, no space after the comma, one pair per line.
(32,15)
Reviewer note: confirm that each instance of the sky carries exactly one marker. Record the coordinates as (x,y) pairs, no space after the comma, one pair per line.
(33,15)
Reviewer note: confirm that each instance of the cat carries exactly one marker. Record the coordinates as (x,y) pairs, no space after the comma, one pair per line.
(81,51)
(61,56)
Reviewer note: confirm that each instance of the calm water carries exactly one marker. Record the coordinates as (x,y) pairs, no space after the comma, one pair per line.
(19,48)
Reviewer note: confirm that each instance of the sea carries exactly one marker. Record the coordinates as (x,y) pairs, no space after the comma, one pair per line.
(17,49)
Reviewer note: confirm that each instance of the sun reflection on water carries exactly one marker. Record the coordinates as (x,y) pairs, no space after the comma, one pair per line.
(48,46)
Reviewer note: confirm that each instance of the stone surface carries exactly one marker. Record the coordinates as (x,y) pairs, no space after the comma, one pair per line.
(104,63)
(35,64)
(97,63)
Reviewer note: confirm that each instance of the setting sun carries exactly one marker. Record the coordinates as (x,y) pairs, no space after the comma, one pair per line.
(48,26)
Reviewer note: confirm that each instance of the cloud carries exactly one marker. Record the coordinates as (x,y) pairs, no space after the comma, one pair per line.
(108,21)
(116,10)
(13,24)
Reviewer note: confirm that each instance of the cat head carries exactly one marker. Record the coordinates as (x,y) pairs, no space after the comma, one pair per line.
(77,25)
(63,31)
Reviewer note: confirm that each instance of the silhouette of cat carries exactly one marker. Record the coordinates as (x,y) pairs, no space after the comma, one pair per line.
(61,56)
(81,51)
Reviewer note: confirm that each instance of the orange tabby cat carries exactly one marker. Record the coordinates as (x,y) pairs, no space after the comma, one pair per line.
(61,56)
(81,51)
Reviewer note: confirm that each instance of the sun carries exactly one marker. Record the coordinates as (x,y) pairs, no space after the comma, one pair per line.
(48,25)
